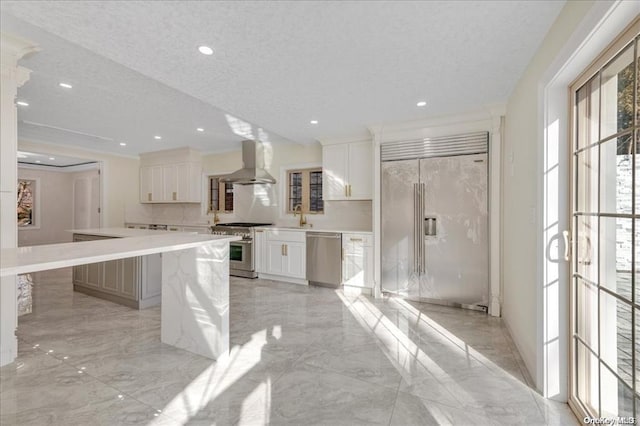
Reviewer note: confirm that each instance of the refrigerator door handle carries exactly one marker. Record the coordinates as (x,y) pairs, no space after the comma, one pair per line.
(416,228)
(421,220)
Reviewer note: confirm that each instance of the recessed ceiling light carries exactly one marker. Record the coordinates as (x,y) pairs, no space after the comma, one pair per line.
(205,50)
(421,103)
(157,137)
(52,158)
(200,129)
(38,161)
(123,144)
(22,103)
(65,85)
(314,122)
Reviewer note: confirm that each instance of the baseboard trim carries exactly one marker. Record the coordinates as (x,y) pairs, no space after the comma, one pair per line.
(135,304)
(291,280)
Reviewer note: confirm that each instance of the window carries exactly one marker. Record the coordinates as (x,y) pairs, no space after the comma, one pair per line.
(220,195)
(305,189)
(26,203)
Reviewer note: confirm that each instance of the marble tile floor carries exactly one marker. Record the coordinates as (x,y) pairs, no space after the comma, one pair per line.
(300,356)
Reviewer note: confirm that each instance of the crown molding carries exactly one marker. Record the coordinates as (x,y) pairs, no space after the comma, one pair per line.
(95,165)
(71,150)
(473,121)
(342,140)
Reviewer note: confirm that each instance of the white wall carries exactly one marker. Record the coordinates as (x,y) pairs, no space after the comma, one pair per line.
(120,177)
(55,204)
(54,200)
(521,202)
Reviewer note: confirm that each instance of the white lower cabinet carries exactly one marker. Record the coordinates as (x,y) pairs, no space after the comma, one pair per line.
(295,259)
(357,260)
(281,254)
(260,251)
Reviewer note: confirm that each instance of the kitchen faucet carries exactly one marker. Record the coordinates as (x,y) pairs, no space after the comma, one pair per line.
(298,209)
(216,219)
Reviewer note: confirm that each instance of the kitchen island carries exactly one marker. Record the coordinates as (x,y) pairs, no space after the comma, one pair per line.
(135,282)
(195,281)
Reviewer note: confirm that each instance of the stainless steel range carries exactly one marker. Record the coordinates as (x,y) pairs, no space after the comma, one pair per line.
(241,253)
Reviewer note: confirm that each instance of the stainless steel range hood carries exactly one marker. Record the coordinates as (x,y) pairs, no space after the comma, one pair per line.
(253,171)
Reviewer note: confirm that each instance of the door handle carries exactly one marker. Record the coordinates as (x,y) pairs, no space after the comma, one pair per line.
(422,252)
(416,228)
(567,245)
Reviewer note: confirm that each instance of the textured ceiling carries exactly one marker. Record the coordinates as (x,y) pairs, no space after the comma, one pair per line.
(278,64)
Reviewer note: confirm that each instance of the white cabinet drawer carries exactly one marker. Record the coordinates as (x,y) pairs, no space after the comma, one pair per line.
(292,236)
(365,239)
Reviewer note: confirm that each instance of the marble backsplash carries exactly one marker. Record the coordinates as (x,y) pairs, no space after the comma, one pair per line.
(252,206)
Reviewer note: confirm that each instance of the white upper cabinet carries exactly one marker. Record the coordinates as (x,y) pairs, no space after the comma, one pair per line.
(170,176)
(348,171)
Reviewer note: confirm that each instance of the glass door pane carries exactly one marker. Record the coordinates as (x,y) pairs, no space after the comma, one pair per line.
(606,240)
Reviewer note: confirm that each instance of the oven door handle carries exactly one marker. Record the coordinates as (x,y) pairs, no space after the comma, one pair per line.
(241,242)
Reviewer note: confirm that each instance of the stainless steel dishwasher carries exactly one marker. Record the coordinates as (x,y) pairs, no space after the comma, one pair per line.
(324,258)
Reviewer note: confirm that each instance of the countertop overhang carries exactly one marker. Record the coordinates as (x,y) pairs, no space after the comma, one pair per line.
(125,232)
(310,229)
(23,260)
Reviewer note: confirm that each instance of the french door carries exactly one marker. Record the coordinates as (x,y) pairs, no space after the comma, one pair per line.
(605,284)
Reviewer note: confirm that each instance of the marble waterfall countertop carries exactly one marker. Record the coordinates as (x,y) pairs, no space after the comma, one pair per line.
(23,260)
(122,232)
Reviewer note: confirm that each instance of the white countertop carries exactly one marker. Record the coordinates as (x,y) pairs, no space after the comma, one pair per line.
(124,232)
(312,229)
(23,260)
(186,224)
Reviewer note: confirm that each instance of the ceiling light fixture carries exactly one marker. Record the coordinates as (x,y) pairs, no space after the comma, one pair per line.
(123,144)
(205,50)
(314,122)
(52,158)
(22,103)
(421,103)
(157,137)
(65,85)
(200,129)
(38,161)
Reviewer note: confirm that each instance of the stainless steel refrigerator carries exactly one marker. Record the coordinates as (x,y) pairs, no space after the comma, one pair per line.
(435,244)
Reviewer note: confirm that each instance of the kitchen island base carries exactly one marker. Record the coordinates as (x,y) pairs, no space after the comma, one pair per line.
(195,284)
(195,299)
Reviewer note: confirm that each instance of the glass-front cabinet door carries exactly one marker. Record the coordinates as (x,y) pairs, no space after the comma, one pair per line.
(605,293)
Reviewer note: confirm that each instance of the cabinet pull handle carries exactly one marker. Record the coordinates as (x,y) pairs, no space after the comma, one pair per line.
(349,190)
(343,255)
(346,190)
(259,230)
(174,196)
(355,239)
(286,250)
(282,249)
(148,196)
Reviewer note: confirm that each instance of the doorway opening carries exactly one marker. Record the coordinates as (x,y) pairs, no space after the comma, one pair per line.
(56,193)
